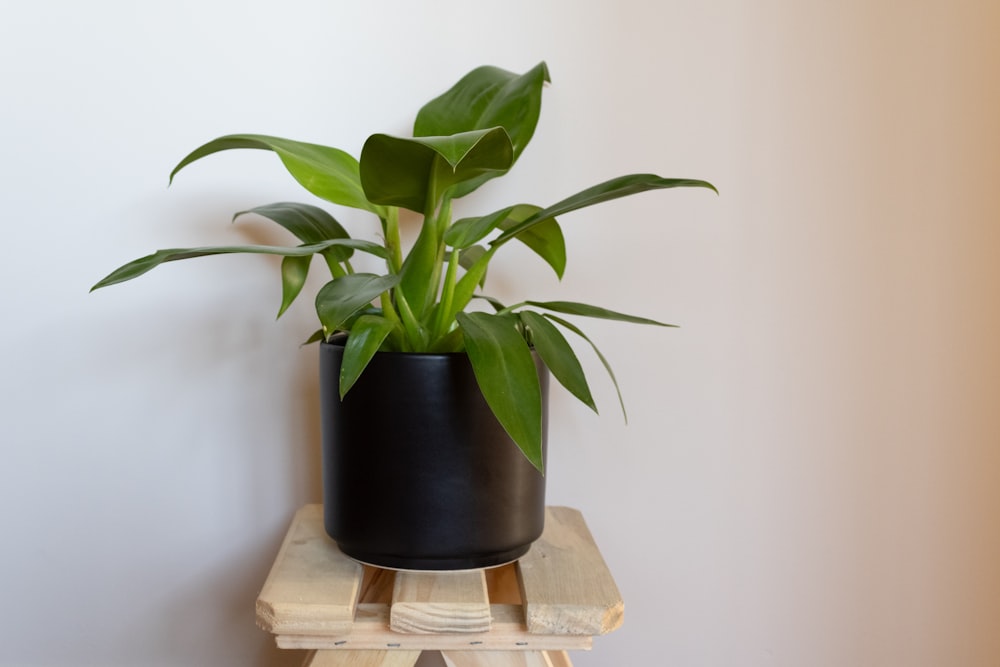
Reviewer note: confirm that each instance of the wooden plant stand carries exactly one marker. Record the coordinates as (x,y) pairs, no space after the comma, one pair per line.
(525,614)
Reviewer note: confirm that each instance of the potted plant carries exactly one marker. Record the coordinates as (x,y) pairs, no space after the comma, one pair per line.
(405,358)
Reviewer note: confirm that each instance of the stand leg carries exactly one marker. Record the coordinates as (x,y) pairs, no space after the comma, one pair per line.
(506,659)
(348,658)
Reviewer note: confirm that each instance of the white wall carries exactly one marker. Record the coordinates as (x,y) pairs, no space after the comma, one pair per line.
(811,472)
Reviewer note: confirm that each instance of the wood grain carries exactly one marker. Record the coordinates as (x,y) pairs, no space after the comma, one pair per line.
(565,583)
(312,586)
(440,602)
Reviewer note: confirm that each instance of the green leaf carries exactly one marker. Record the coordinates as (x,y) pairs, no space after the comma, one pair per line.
(558,356)
(607,366)
(367,334)
(341,298)
(137,267)
(544,237)
(487,97)
(316,337)
(414,172)
(329,173)
(623,186)
(467,231)
(294,271)
(309,224)
(508,378)
(573,308)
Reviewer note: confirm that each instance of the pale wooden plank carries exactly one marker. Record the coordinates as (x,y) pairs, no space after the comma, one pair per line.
(437,602)
(499,659)
(312,586)
(371,631)
(362,659)
(565,583)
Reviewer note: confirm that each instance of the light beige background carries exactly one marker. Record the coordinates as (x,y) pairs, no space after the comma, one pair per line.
(811,473)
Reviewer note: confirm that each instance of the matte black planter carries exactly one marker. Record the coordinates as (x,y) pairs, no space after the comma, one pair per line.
(417,472)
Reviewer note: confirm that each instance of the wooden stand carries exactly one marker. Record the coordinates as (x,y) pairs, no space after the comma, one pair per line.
(525,614)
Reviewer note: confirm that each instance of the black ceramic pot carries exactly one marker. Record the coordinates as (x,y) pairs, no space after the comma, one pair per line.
(417,472)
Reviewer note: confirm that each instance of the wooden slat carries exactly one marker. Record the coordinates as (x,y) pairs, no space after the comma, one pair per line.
(565,583)
(502,585)
(362,659)
(439,602)
(312,587)
(505,659)
(371,631)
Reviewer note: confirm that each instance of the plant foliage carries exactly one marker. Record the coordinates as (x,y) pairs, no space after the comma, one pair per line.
(471,134)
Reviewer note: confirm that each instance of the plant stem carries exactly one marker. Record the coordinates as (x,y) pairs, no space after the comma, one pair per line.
(441,321)
(392,240)
(389,312)
(336,270)
(411,326)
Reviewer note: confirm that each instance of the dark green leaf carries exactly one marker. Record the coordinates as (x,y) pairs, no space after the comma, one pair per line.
(508,378)
(137,267)
(316,337)
(558,356)
(623,186)
(545,237)
(607,366)
(415,172)
(341,298)
(310,224)
(329,173)
(572,308)
(496,303)
(367,334)
(467,231)
(487,97)
(294,271)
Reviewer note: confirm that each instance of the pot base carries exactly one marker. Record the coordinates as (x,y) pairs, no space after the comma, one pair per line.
(406,564)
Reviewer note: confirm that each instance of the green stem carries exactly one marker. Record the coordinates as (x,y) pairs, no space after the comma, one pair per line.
(389,312)
(411,326)
(392,240)
(441,322)
(336,270)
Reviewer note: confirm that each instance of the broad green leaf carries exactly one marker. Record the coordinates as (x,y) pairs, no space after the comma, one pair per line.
(544,237)
(414,172)
(367,334)
(623,186)
(329,173)
(487,97)
(585,310)
(467,231)
(309,224)
(341,298)
(607,366)
(558,356)
(508,378)
(137,267)
(294,271)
